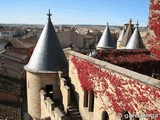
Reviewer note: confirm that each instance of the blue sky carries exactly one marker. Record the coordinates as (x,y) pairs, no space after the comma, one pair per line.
(116,12)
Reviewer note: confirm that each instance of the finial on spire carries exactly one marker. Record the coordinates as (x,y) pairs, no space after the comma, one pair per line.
(107,23)
(137,24)
(130,21)
(49,15)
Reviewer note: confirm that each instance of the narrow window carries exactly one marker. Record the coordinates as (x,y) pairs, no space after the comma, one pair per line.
(85,103)
(105,116)
(49,91)
(91,101)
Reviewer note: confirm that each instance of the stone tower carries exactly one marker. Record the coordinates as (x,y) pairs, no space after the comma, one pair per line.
(42,69)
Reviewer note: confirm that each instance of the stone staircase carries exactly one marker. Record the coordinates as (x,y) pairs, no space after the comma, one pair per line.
(74,113)
(73,109)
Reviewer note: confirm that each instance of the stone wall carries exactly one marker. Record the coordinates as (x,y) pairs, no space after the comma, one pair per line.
(154,27)
(49,109)
(101,101)
(35,82)
(64,38)
(65,90)
(72,37)
(77,40)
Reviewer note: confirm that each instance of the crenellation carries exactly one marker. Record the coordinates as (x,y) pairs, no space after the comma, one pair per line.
(63,81)
(49,108)
(65,90)
(59,112)
(43,94)
(50,104)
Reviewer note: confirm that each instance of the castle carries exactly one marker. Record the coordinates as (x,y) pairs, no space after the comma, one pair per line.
(67,85)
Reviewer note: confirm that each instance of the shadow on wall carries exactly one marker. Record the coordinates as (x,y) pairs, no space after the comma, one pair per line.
(74,94)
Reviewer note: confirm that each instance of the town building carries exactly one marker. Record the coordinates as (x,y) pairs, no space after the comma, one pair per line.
(10,98)
(7,34)
(3,43)
(21,47)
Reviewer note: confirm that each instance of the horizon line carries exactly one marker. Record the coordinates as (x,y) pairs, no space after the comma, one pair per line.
(65,24)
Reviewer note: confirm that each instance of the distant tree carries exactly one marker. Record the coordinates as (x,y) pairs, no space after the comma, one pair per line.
(154,26)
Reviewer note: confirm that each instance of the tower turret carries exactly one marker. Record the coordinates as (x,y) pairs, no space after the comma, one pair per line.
(120,38)
(42,69)
(135,41)
(106,41)
(127,35)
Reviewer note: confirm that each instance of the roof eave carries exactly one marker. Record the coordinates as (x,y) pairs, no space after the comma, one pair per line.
(27,68)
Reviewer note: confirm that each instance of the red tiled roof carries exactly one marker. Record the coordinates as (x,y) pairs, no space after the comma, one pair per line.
(10,54)
(3,40)
(20,44)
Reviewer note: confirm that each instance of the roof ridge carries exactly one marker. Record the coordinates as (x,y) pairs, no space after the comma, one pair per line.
(21,43)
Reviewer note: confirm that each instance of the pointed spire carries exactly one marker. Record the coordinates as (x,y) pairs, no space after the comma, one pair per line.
(106,40)
(137,24)
(49,15)
(121,35)
(48,55)
(127,34)
(135,41)
(107,23)
(130,21)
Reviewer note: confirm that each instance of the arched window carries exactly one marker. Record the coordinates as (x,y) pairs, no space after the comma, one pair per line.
(105,116)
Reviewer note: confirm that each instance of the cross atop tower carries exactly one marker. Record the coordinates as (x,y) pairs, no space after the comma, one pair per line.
(49,15)
(107,23)
(130,21)
(137,24)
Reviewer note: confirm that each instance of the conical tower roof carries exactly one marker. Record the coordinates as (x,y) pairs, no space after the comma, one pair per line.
(48,55)
(135,41)
(121,35)
(106,40)
(127,34)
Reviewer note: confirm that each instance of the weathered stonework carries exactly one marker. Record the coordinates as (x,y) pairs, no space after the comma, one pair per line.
(35,82)
(154,27)
(101,98)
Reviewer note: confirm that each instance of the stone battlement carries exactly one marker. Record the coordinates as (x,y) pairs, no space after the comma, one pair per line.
(116,69)
(49,108)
